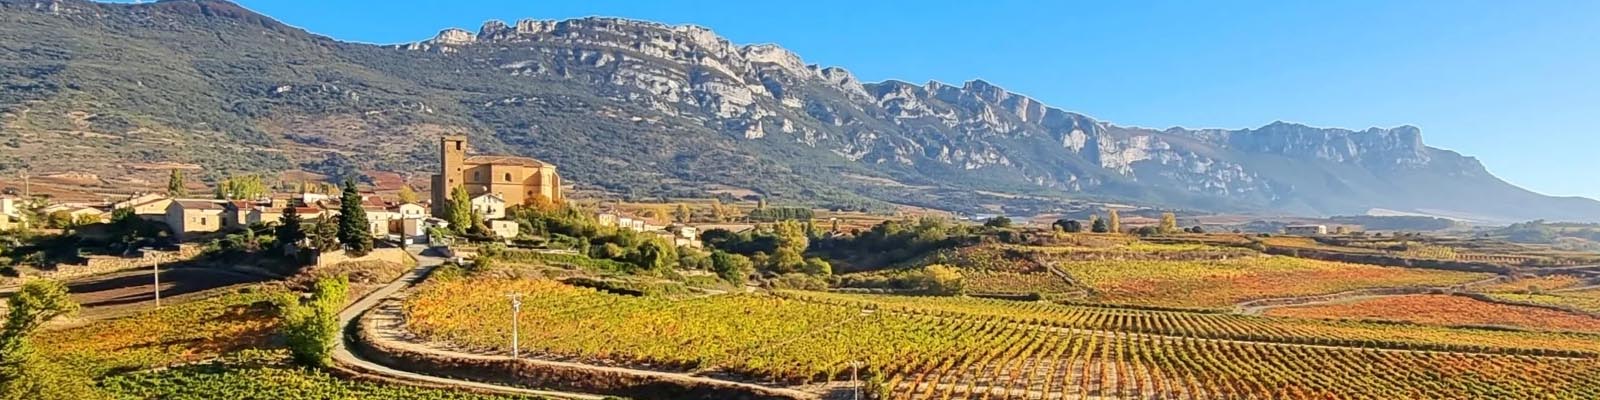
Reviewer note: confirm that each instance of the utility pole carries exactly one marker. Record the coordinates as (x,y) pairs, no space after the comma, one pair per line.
(516,311)
(155,271)
(854,382)
(27,188)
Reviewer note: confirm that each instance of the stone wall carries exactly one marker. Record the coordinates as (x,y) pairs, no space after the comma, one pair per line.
(97,264)
(394,255)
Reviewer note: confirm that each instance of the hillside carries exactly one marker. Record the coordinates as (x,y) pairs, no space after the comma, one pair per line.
(644,109)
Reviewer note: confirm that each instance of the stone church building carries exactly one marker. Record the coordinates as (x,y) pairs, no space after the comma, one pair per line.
(515,179)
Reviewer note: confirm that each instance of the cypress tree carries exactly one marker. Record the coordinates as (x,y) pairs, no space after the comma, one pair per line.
(353,220)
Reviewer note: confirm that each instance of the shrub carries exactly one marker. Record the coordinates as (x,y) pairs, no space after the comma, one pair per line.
(310,326)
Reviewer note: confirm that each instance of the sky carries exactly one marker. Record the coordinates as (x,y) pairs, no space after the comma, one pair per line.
(1514,83)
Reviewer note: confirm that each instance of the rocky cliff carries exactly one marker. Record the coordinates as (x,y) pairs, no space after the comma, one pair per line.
(650,109)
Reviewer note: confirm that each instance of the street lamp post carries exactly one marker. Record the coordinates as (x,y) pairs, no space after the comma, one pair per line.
(516,311)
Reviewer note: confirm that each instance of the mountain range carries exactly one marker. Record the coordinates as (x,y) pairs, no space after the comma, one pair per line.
(643,109)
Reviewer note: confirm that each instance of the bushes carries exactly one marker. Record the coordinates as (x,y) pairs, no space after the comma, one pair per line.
(731,267)
(310,326)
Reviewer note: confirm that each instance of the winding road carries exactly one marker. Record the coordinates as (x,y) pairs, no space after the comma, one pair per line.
(352,313)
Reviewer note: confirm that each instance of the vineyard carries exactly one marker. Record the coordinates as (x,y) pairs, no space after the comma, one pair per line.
(1217,284)
(1587,300)
(1446,310)
(941,347)
(187,332)
(251,378)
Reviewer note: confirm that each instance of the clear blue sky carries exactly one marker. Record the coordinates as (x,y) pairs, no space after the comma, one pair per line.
(1514,83)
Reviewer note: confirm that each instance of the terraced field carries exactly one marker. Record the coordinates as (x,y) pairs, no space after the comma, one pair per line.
(940,347)
(1446,310)
(1219,284)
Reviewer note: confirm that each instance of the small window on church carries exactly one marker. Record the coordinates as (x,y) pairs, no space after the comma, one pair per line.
(477,175)
(458,145)
(508,177)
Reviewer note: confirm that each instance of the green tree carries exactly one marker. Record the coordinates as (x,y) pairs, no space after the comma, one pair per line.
(792,235)
(998,222)
(59,219)
(1113,221)
(786,260)
(1069,225)
(458,210)
(36,303)
(942,279)
(818,266)
(291,229)
(353,231)
(407,195)
(653,254)
(175,185)
(242,187)
(1099,225)
(310,326)
(325,234)
(731,267)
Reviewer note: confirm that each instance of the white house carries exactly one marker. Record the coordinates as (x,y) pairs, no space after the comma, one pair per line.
(1306,230)
(492,205)
(410,211)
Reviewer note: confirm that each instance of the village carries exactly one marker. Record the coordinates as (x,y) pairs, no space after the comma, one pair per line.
(493,185)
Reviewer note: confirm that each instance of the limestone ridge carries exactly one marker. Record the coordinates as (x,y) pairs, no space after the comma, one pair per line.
(948,132)
(658,110)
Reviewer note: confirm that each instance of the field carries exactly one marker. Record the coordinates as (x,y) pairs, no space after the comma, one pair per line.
(267,378)
(1217,284)
(1533,285)
(1446,310)
(931,347)
(1587,300)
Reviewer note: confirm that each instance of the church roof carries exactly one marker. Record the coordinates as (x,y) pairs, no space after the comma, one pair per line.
(506,160)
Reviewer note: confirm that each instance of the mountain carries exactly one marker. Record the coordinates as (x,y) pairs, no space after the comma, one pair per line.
(645,109)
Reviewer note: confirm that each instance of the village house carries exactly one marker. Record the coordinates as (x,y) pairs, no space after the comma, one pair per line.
(491,205)
(516,180)
(149,207)
(504,229)
(10,206)
(189,218)
(378,216)
(236,214)
(410,210)
(1305,230)
(77,212)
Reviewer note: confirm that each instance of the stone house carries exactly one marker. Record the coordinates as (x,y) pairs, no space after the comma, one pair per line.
(189,218)
(504,229)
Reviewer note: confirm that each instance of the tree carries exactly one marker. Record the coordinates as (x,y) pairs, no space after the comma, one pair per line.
(693,259)
(22,374)
(1197,229)
(59,219)
(941,279)
(290,230)
(786,260)
(731,267)
(175,184)
(655,255)
(1169,223)
(407,195)
(1113,221)
(242,187)
(683,213)
(998,222)
(458,210)
(311,326)
(792,235)
(718,211)
(818,266)
(1099,226)
(353,230)
(1068,225)
(36,303)
(325,234)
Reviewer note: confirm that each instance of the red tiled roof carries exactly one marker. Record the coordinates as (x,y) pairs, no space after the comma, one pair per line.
(506,160)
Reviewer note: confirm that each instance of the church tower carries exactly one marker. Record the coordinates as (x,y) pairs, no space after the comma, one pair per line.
(452,156)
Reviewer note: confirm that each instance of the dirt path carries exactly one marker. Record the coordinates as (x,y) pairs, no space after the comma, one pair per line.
(1260,306)
(349,316)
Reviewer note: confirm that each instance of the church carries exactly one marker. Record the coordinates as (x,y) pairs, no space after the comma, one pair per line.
(515,180)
